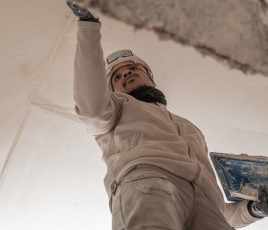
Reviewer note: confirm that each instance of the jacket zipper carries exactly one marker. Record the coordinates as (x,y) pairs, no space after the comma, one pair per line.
(177,126)
(179,133)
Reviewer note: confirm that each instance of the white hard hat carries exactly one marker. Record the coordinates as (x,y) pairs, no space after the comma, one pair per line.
(122,56)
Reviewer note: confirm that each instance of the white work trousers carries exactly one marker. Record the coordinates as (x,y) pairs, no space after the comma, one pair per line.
(150,199)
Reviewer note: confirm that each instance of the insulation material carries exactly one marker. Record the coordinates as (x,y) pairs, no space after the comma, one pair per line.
(50,168)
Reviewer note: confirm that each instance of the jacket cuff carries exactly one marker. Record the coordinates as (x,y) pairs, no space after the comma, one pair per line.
(248,216)
(89,25)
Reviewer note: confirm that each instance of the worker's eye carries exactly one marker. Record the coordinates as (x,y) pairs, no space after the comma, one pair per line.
(117,77)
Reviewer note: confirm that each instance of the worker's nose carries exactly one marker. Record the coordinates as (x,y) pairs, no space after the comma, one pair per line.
(127,72)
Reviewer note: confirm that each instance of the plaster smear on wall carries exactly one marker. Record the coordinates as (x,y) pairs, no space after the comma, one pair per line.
(235,32)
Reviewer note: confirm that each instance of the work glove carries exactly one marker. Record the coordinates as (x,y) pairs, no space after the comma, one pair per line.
(260,208)
(81,12)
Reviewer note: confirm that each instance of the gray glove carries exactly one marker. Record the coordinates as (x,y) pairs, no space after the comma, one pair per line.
(260,208)
(83,13)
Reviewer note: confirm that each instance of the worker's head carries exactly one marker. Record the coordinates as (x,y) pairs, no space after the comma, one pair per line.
(127,72)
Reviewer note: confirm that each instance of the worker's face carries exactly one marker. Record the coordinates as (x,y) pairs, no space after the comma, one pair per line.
(130,77)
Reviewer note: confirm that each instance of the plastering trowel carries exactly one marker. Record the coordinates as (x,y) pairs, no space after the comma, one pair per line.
(240,175)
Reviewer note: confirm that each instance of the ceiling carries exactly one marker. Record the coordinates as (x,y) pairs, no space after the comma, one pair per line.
(233,32)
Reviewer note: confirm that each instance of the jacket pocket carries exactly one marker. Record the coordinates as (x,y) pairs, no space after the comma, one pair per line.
(150,182)
(142,174)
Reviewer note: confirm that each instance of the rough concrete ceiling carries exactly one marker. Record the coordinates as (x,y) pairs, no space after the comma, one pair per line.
(234,32)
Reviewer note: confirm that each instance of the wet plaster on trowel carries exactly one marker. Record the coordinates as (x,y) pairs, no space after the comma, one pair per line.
(234,32)
(253,170)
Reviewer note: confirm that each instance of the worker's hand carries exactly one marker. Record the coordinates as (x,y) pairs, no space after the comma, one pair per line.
(81,11)
(260,208)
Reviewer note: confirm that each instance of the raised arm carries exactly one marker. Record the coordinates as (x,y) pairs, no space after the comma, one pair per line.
(95,105)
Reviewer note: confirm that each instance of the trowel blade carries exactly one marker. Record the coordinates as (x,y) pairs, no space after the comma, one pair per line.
(240,175)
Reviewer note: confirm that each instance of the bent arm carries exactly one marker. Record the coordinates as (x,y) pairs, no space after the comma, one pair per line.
(95,105)
(237,214)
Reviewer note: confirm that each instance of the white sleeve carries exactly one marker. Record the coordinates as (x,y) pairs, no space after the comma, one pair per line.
(96,106)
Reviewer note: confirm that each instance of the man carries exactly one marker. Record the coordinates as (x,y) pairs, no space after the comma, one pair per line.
(158,172)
